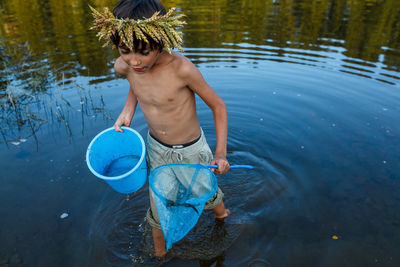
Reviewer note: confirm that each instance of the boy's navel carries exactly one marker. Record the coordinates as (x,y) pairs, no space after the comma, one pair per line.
(170,99)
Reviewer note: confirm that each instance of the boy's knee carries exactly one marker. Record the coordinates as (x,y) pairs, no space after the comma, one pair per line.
(154,224)
(215,200)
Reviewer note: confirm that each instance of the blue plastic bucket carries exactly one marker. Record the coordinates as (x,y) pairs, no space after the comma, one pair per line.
(119,159)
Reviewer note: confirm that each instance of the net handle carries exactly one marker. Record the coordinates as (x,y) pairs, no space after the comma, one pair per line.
(249,167)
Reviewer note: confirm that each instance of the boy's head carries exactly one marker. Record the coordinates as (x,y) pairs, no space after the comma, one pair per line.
(137,9)
(137,24)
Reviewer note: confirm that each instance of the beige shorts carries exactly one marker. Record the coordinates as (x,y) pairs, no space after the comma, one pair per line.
(159,154)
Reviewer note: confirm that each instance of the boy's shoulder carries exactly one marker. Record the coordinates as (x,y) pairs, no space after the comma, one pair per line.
(182,65)
(121,67)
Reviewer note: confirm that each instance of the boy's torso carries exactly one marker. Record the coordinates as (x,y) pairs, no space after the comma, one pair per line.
(167,103)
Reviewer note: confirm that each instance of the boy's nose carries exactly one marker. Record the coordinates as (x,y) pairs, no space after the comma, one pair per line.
(134,61)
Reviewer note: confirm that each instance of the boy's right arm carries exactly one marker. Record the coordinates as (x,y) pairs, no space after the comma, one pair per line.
(125,118)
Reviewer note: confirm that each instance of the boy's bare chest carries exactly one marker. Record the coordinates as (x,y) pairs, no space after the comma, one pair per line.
(158,92)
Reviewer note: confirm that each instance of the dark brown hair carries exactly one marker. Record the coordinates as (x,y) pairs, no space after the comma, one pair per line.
(137,9)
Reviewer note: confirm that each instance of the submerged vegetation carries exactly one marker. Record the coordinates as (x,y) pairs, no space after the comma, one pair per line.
(30,97)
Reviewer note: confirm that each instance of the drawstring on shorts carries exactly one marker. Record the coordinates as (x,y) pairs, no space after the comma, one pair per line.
(172,155)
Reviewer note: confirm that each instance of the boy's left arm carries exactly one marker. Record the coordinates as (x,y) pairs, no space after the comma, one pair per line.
(197,84)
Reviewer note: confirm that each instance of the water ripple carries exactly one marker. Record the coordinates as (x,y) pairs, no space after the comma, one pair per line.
(236,55)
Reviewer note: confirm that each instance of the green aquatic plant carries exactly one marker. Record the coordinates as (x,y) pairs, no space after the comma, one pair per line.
(30,97)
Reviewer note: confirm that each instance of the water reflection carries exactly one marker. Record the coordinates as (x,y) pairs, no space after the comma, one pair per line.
(363,30)
(330,57)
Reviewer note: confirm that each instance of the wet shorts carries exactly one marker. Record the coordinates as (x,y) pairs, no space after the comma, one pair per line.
(192,153)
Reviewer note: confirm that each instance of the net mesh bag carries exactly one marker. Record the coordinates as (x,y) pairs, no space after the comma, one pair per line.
(181,192)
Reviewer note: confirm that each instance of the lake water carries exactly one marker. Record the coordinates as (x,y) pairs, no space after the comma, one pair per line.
(120,165)
(312,90)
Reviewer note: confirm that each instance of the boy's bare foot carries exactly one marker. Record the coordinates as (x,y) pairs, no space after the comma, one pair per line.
(223,216)
(161,257)
(220,211)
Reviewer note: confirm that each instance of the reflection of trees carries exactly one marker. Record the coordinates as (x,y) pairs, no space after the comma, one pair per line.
(59,28)
(312,17)
(365,26)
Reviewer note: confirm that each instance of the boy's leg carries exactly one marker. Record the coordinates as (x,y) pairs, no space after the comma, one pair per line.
(159,243)
(216,204)
(220,211)
(158,236)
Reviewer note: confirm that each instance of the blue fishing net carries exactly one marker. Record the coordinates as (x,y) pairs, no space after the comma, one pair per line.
(181,192)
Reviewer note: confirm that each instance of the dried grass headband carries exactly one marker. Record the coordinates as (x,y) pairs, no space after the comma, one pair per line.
(162,29)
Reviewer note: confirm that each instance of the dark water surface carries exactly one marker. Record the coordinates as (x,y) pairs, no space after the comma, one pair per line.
(312,89)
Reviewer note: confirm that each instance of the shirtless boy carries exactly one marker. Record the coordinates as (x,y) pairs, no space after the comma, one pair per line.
(164,83)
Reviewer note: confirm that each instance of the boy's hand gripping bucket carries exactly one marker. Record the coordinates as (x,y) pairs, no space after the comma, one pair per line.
(119,159)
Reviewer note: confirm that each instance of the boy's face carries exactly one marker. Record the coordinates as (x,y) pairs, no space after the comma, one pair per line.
(142,60)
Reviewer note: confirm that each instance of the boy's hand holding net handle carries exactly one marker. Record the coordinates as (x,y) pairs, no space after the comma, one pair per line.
(249,167)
